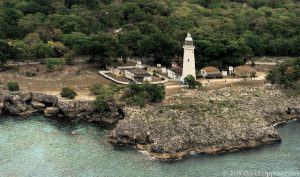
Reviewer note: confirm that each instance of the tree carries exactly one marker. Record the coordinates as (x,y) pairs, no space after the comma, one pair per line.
(10,19)
(101,49)
(69,57)
(21,50)
(286,74)
(69,3)
(226,32)
(4,56)
(41,50)
(58,48)
(139,95)
(68,23)
(191,82)
(32,38)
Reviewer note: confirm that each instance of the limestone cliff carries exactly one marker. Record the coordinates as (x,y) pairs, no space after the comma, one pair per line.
(206,122)
(28,103)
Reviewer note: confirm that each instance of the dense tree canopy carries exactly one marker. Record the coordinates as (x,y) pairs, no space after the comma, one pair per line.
(226,32)
(286,74)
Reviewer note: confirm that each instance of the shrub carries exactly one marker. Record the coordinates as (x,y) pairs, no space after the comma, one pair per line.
(96,89)
(139,95)
(101,104)
(13,86)
(52,63)
(68,92)
(108,92)
(30,74)
(191,82)
(139,99)
(69,58)
(253,74)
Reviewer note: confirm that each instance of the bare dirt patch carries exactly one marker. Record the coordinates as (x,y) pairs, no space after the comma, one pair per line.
(80,76)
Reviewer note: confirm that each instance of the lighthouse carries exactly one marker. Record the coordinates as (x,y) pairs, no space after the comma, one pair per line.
(188,58)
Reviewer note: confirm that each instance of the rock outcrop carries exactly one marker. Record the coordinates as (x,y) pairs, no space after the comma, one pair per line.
(27,103)
(279,117)
(205,122)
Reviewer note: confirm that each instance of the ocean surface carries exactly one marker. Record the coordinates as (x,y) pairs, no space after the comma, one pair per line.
(40,147)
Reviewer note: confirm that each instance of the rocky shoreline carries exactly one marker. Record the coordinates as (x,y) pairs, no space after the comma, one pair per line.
(216,121)
(30,103)
(211,122)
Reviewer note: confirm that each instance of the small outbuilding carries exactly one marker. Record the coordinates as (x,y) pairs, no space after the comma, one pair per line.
(211,72)
(138,75)
(175,73)
(226,71)
(116,71)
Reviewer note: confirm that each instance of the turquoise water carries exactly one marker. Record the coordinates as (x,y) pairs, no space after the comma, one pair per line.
(40,147)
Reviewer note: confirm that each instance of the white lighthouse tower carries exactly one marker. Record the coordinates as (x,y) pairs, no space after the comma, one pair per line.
(188,58)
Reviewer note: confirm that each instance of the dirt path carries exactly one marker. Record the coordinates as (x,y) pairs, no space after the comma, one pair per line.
(259,76)
(224,81)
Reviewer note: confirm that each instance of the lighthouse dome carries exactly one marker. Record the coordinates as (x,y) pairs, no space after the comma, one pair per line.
(189,40)
(188,37)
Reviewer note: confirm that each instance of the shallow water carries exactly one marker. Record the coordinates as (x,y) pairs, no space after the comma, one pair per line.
(40,147)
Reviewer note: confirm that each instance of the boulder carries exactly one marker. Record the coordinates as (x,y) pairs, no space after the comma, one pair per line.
(1,107)
(44,98)
(12,109)
(76,109)
(17,97)
(51,111)
(37,105)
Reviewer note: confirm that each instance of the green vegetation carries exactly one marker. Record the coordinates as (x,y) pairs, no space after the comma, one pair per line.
(286,74)
(191,82)
(101,104)
(53,63)
(96,89)
(140,95)
(225,32)
(105,94)
(68,92)
(108,92)
(30,74)
(13,86)
(69,58)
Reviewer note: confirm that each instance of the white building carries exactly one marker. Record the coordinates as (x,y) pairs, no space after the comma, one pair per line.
(188,58)
(175,73)
(163,69)
(138,75)
(138,64)
(227,71)
(210,72)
